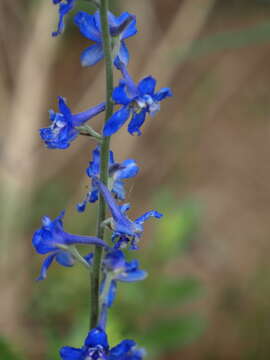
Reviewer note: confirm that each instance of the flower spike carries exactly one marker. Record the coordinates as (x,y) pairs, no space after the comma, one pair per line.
(108,34)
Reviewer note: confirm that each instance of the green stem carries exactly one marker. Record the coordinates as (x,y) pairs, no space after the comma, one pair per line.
(104,157)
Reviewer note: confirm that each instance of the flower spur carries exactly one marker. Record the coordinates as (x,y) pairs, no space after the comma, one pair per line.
(53,240)
(123,228)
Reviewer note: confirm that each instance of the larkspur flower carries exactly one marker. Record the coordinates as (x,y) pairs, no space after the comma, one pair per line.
(136,101)
(96,347)
(117,173)
(124,229)
(53,240)
(121,28)
(65,6)
(117,269)
(63,128)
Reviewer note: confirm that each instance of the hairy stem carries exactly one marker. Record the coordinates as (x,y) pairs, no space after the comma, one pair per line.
(105,147)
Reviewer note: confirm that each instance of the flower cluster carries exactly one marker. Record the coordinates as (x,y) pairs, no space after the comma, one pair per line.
(107,177)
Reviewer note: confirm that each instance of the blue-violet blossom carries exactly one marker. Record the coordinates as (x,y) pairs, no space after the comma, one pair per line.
(96,347)
(65,6)
(117,173)
(51,238)
(63,128)
(123,228)
(136,102)
(121,28)
(116,268)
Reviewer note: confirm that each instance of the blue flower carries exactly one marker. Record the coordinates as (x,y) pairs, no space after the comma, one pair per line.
(63,128)
(123,228)
(121,270)
(96,347)
(121,28)
(117,173)
(116,268)
(51,238)
(137,101)
(65,6)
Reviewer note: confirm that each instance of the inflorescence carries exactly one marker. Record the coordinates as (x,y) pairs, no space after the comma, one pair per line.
(136,101)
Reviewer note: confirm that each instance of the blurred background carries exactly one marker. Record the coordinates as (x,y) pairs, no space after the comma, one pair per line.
(204,163)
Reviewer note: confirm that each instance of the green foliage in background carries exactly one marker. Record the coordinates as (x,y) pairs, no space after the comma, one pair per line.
(7,352)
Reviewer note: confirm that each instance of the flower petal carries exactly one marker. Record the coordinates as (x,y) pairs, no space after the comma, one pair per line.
(119,24)
(93,168)
(43,241)
(116,121)
(96,337)
(58,137)
(64,8)
(82,205)
(92,55)
(136,122)
(131,29)
(120,96)
(45,266)
(114,260)
(147,215)
(98,20)
(130,169)
(121,349)
(87,25)
(124,208)
(94,195)
(64,109)
(64,258)
(70,353)
(132,276)
(147,86)
(123,54)
(162,94)
(119,189)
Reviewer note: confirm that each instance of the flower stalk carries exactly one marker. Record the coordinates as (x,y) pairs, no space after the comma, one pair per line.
(104,158)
